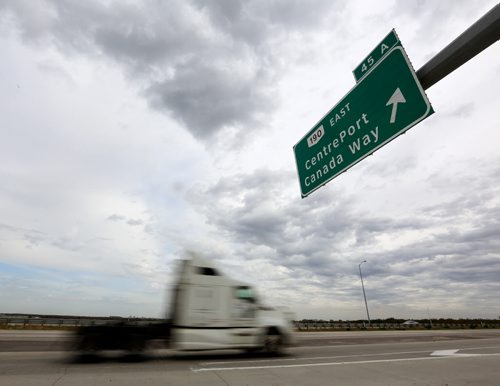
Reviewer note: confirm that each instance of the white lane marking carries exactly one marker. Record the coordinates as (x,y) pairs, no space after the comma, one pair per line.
(343,356)
(313,358)
(443,353)
(451,353)
(198,370)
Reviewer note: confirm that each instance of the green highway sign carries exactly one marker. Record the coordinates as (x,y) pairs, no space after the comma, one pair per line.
(378,53)
(380,107)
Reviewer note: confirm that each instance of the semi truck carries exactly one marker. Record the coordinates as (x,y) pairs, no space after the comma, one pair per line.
(208,311)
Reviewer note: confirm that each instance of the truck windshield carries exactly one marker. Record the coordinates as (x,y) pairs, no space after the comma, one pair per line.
(245,293)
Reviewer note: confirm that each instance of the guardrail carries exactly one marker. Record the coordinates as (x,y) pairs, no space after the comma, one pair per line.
(320,325)
(17,322)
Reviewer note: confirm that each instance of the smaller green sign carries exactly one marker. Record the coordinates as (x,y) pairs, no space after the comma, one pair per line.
(378,53)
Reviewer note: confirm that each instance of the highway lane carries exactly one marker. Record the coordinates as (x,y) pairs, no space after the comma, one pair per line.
(344,358)
(40,340)
(34,340)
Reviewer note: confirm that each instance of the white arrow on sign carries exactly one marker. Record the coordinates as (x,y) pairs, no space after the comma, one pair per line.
(396,98)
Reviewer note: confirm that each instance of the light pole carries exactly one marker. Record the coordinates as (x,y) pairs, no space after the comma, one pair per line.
(364,294)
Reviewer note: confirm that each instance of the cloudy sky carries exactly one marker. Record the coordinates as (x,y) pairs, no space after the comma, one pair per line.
(134,133)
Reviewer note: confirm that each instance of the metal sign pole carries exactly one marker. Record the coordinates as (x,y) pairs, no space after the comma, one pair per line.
(479,36)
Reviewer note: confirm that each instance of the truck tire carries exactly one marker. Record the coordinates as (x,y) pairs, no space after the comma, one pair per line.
(273,342)
(87,343)
(136,345)
(87,349)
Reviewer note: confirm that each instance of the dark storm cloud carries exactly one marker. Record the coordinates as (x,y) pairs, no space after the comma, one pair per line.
(255,21)
(211,65)
(208,98)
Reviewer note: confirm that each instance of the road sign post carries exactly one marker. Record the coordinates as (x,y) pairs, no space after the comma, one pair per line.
(383,104)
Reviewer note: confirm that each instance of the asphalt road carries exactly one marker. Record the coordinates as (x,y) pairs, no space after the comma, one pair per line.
(469,357)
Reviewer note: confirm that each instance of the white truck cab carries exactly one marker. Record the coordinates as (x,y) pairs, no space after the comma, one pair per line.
(209,311)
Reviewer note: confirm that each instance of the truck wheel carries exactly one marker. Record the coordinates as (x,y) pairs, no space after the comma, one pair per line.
(87,349)
(87,344)
(273,342)
(136,346)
